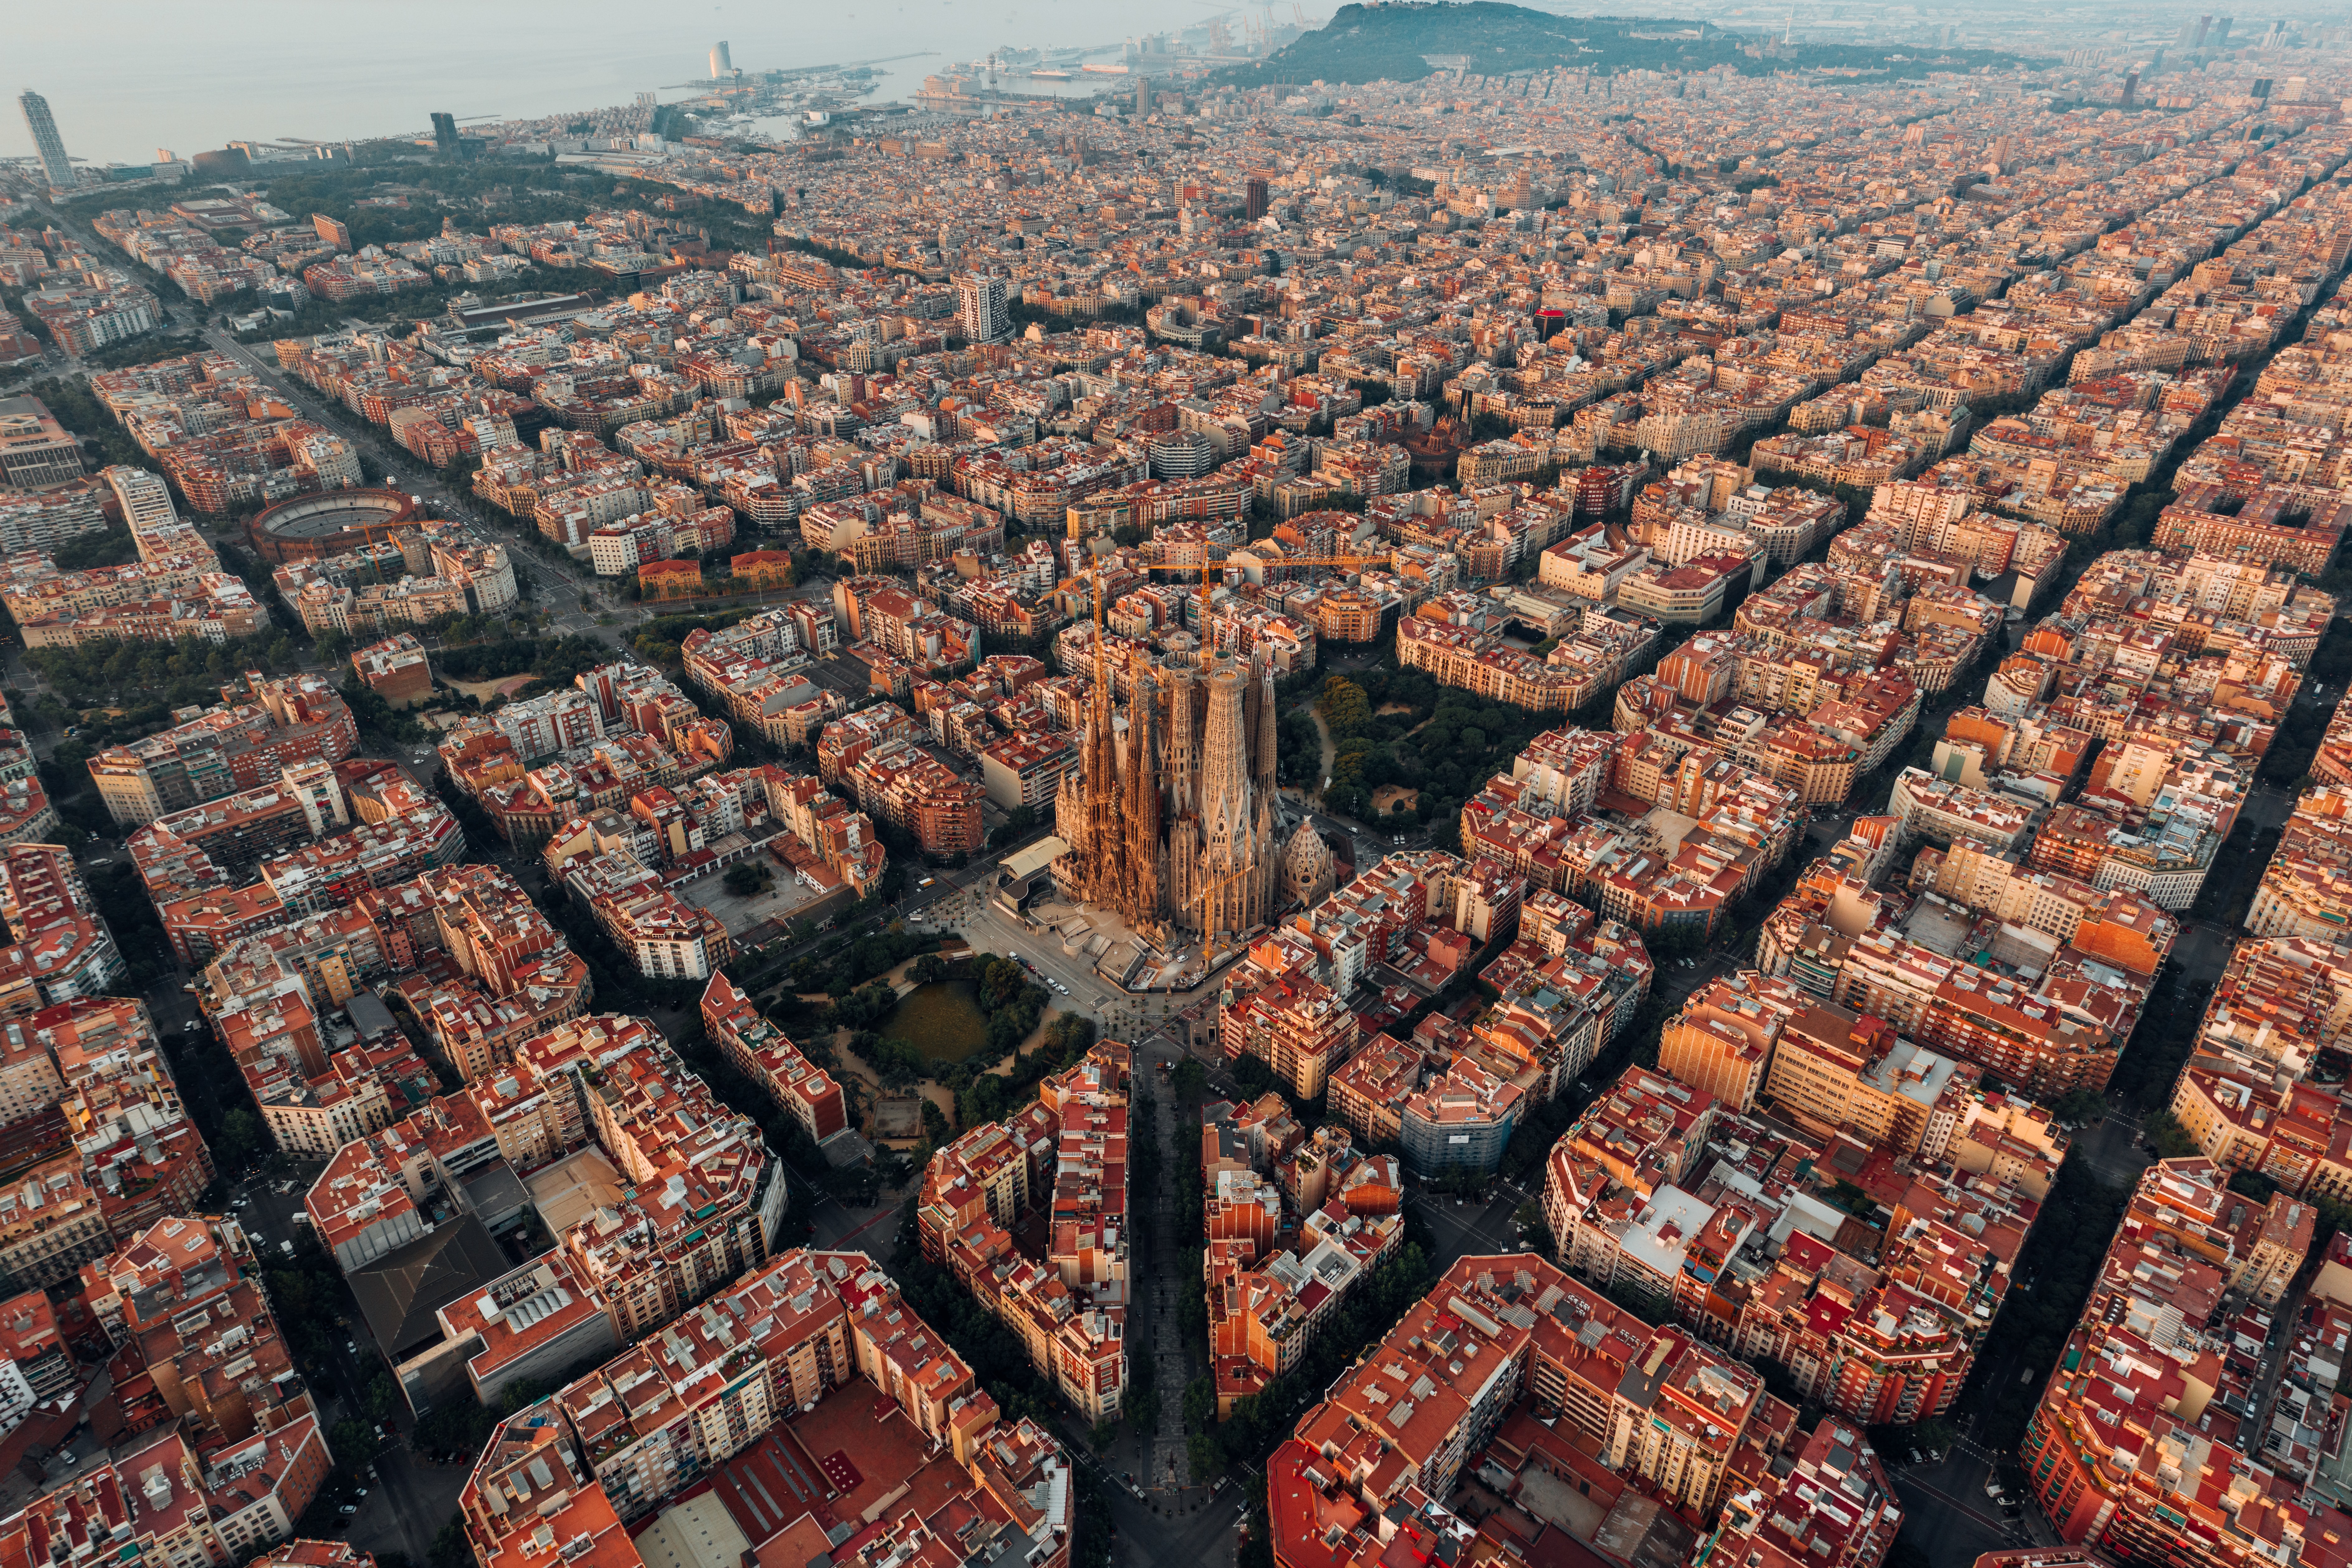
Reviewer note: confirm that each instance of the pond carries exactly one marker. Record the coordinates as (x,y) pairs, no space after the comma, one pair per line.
(942,1020)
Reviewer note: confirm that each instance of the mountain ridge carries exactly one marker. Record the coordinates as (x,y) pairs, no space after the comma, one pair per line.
(1392,42)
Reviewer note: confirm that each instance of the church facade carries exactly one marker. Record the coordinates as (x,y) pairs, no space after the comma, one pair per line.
(1172,815)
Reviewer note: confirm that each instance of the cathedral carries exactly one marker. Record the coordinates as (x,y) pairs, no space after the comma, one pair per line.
(1171,824)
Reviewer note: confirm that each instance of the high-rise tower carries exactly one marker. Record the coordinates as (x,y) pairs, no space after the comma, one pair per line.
(45,140)
(145,499)
(980,307)
(721,63)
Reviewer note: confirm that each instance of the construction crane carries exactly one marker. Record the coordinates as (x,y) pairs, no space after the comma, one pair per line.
(1209,570)
(1102,695)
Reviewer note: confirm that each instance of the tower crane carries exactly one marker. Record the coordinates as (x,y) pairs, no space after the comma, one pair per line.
(1209,886)
(1209,569)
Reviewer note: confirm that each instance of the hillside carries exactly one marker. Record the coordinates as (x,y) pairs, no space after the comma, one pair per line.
(1374,43)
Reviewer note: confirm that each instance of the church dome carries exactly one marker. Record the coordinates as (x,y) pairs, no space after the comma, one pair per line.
(1307,868)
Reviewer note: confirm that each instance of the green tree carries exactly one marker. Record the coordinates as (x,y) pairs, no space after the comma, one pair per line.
(1200,1405)
(2163,1132)
(1344,706)
(242,1138)
(1253,1077)
(2079,1105)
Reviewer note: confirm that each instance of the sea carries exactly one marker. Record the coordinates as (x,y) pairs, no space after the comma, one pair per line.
(128,78)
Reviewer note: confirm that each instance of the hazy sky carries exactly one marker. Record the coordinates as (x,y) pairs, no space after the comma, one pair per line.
(126,77)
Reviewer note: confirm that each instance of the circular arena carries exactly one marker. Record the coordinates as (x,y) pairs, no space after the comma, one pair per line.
(333,522)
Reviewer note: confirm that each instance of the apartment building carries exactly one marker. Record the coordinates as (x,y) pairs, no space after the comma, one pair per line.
(1653,1405)
(165,1499)
(1723,1221)
(708,1197)
(1066,1154)
(1281,1014)
(2150,1370)
(764,1054)
(260,727)
(1295,1221)
(197,1344)
(397,670)
(809,1339)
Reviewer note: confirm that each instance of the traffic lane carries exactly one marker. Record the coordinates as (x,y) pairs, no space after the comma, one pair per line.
(407,1505)
(1465,1228)
(1947,1530)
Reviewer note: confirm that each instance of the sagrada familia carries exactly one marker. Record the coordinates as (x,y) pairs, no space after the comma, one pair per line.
(1174,824)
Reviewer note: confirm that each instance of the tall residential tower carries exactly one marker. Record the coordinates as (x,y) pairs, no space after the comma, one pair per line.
(45,140)
(980,308)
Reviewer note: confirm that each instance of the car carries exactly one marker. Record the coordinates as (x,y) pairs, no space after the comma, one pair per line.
(70,1458)
(348,1509)
(240,1203)
(190,1027)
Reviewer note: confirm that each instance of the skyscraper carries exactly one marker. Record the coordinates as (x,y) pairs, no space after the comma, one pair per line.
(1255,197)
(444,134)
(45,140)
(721,63)
(980,307)
(1142,95)
(146,500)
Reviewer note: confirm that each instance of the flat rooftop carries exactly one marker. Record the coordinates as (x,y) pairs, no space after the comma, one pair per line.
(573,1188)
(838,1467)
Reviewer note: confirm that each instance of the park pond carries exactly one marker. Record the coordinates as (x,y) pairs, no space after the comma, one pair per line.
(942,1020)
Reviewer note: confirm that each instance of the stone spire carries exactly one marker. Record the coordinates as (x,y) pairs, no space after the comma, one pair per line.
(1263,750)
(1100,758)
(1139,852)
(1230,819)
